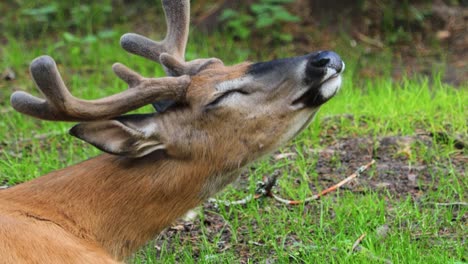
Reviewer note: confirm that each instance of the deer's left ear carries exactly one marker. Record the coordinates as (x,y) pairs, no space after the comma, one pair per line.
(131,136)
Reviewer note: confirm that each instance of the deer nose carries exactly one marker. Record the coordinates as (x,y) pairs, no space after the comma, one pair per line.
(328,59)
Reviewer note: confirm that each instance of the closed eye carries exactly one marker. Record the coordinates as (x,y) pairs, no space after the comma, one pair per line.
(224,96)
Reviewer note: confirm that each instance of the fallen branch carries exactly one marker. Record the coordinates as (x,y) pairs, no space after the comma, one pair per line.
(326,191)
(247,199)
(264,189)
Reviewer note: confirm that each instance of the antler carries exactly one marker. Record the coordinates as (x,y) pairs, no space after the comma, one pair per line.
(171,51)
(177,18)
(162,92)
(61,105)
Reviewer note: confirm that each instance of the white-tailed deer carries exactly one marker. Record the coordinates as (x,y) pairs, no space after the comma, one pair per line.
(212,121)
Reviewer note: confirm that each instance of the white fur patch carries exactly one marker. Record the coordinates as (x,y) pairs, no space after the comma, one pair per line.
(329,73)
(149,129)
(234,84)
(330,87)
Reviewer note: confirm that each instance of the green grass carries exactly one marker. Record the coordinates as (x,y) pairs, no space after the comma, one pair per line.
(419,231)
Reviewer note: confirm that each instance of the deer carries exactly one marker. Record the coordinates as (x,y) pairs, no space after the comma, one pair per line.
(211,121)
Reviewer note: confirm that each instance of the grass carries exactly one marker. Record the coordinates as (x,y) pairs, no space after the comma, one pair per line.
(402,225)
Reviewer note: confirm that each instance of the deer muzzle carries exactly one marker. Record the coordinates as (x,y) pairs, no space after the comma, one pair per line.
(322,78)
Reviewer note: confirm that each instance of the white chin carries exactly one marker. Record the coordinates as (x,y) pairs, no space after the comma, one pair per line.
(330,87)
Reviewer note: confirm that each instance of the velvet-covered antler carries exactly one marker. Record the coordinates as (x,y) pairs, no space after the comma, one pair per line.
(61,105)
(170,52)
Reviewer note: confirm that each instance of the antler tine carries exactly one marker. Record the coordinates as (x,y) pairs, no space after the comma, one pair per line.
(171,51)
(177,18)
(61,105)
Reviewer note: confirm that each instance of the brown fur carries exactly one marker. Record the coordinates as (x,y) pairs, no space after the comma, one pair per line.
(102,210)
(76,215)
(107,207)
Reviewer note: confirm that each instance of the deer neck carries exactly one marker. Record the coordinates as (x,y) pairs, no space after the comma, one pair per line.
(115,202)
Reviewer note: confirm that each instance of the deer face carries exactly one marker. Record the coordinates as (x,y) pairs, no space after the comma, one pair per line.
(269,101)
(246,110)
(235,113)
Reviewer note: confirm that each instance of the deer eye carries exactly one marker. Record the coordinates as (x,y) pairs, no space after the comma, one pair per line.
(225,95)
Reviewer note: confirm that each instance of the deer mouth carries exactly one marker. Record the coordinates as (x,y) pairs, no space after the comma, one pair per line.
(331,84)
(322,77)
(320,92)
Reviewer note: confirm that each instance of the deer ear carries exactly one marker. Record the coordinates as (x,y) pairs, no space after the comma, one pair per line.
(131,136)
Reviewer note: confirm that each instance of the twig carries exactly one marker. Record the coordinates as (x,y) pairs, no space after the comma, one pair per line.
(264,189)
(358,241)
(326,191)
(247,199)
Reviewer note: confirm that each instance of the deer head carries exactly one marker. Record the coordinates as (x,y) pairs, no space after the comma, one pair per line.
(221,115)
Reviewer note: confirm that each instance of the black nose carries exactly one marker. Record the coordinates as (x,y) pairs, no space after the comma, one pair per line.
(324,59)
